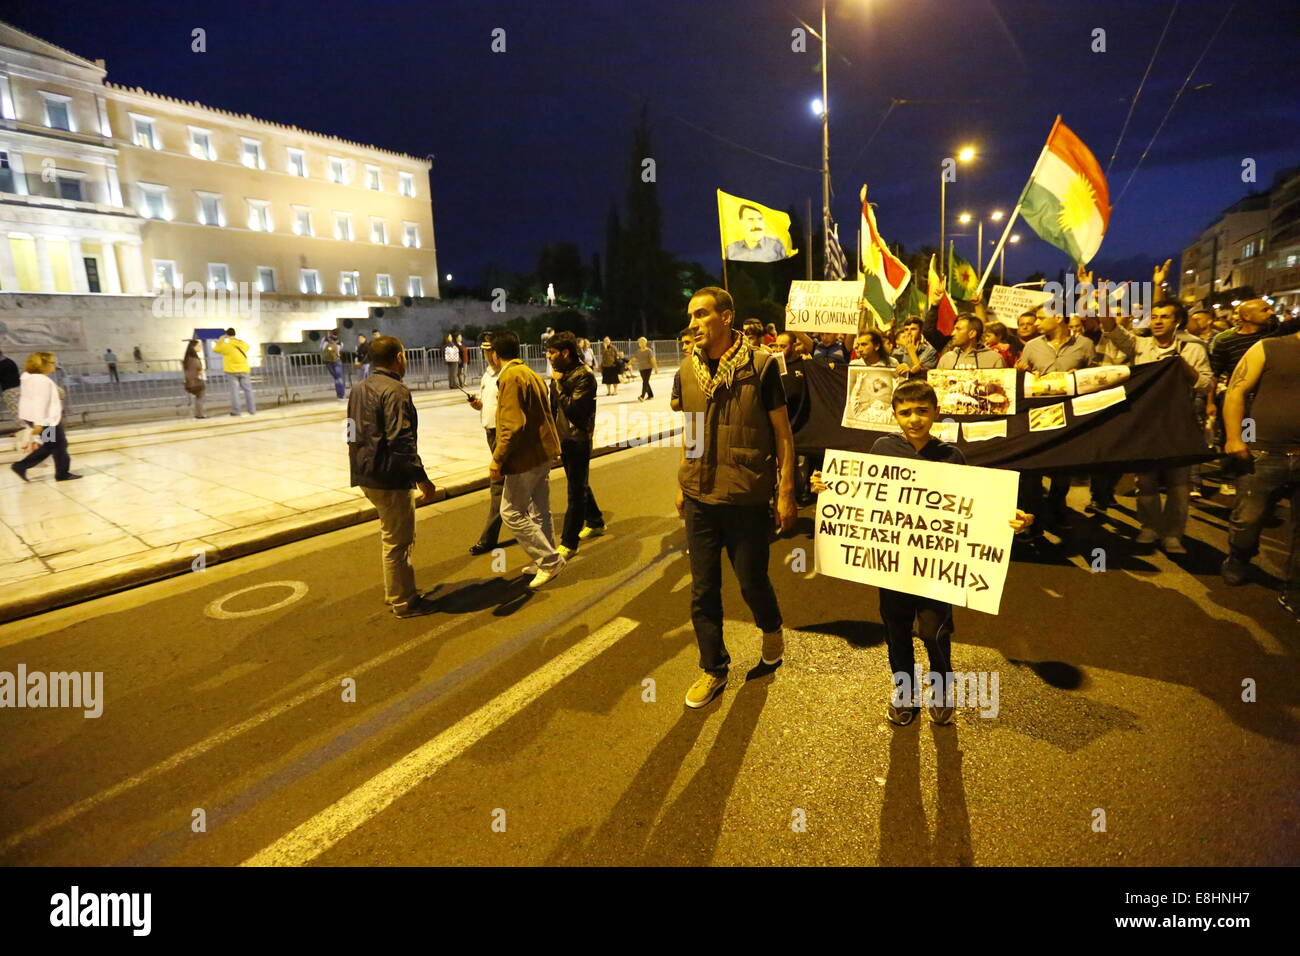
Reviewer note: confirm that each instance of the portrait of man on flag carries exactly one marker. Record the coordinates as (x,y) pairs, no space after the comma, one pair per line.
(752,232)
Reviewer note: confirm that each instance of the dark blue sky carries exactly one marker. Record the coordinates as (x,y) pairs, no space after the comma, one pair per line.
(531,145)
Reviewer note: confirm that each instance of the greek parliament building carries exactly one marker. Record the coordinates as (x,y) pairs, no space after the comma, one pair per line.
(109,196)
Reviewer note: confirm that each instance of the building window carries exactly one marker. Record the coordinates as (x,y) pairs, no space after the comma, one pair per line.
(144,132)
(218,277)
(338,170)
(410,235)
(259,215)
(379,232)
(164,274)
(302,221)
(383,284)
(265,279)
(415,286)
(6,174)
(350,283)
(309,281)
(201,144)
(297,162)
(153,201)
(372,178)
(211,212)
(57,112)
(6,99)
(70,188)
(250,153)
(406,184)
(343,226)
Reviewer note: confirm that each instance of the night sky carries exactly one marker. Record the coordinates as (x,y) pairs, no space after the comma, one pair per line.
(531,146)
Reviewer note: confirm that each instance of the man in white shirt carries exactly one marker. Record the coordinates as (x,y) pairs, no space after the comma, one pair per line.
(41,407)
(486,405)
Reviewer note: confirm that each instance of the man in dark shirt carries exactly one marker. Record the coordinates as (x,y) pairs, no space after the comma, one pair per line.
(10,381)
(573,403)
(385,463)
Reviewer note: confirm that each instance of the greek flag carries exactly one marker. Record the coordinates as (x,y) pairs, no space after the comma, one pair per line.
(837,265)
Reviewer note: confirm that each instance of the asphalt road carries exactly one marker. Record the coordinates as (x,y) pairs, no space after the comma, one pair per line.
(548,728)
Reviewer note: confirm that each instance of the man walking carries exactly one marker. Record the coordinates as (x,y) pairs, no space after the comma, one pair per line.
(385,463)
(234,362)
(1271,370)
(573,404)
(527,444)
(485,403)
(110,359)
(332,355)
(363,357)
(735,405)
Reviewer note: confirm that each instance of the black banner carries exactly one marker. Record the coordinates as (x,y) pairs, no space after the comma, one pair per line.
(1155,427)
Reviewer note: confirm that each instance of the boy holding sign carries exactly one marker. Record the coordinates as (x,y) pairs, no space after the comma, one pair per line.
(915,408)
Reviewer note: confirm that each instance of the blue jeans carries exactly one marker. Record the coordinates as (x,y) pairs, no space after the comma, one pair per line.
(240,381)
(1274,475)
(336,370)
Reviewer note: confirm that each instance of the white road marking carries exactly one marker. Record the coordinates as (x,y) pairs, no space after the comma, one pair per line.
(326,829)
(218,610)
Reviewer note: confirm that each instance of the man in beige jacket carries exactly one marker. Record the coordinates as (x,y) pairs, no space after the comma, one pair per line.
(527,445)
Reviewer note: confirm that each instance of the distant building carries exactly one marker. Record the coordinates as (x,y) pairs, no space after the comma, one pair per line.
(110,190)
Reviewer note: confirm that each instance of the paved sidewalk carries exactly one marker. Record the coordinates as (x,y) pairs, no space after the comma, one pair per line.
(157,499)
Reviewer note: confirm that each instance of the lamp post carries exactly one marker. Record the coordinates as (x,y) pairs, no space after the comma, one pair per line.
(826,155)
(996,216)
(964,155)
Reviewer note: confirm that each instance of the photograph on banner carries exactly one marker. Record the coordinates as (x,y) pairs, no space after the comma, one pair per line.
(1096,401)
(868,402)
(946,430)
(1098,377)
(816,307)
(926,528)
(969,391)
(1007,303)
(983,431)
(1047,418)
(1049,385)
(751,232)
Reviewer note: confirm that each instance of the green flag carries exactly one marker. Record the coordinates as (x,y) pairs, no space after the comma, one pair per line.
(963,282)
(911,302)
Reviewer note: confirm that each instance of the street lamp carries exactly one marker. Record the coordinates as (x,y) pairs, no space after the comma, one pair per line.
(964,219)
(964,155)
(1002,265)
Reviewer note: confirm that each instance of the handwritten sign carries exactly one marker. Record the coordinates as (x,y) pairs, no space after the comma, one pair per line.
(922,527)
(1007,303)
(823,306)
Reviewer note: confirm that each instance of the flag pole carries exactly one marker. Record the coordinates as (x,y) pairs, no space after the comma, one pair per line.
(979,290)
(722,241)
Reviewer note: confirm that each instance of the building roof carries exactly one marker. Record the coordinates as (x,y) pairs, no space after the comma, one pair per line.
(34,44)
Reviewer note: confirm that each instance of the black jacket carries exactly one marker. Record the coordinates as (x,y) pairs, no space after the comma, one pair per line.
(573,403)
(9,377)
(381,449)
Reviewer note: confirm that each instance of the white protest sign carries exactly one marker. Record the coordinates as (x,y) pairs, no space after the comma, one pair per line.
(1007,303)
(922,527)
(823,306)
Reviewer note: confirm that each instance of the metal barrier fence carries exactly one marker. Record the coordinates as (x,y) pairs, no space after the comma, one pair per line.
(281,379)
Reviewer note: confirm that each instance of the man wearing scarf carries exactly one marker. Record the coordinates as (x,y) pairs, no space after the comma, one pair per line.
(742,451)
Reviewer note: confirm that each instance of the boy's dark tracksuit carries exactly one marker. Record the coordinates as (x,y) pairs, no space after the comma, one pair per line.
(897,608)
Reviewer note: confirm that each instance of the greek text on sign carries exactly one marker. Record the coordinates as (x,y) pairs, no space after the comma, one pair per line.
(921,527)
(823,306)
(1007,303)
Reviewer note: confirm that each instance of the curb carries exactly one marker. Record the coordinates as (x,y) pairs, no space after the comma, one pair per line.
(38,595)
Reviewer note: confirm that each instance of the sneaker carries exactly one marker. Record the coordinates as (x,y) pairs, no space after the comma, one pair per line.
(773,648)
(417,608)
(705,689)
(1147,536)
(20,472)
(68,477)
(1173,546)
(481,548)
(566,552)
(1228,490)
(940,715)
(900,716)
(1196,492)
(542,577)
(589,532)
(529,569)
(1235,572)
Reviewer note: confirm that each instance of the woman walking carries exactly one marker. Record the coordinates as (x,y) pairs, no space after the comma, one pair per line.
(645,363)
(40,406)
(463,349)
(194,380)
(609,366)
(451,354)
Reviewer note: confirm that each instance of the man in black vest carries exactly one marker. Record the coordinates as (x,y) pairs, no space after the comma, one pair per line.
(735,412)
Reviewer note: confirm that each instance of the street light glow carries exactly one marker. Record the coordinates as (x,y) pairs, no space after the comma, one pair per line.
(817,106)
(1015,237)
(996,215)
(967,154)
(448,276)
(964,218)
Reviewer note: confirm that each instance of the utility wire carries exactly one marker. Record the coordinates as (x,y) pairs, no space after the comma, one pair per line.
(1133,103)
(1177,96)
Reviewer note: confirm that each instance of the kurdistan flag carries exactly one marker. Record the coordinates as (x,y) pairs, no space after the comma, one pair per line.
(934,290)
(1066,200)
(886,275)
(910,303)
(963,283)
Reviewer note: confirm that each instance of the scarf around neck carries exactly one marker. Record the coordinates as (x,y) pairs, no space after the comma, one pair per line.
(732,359)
